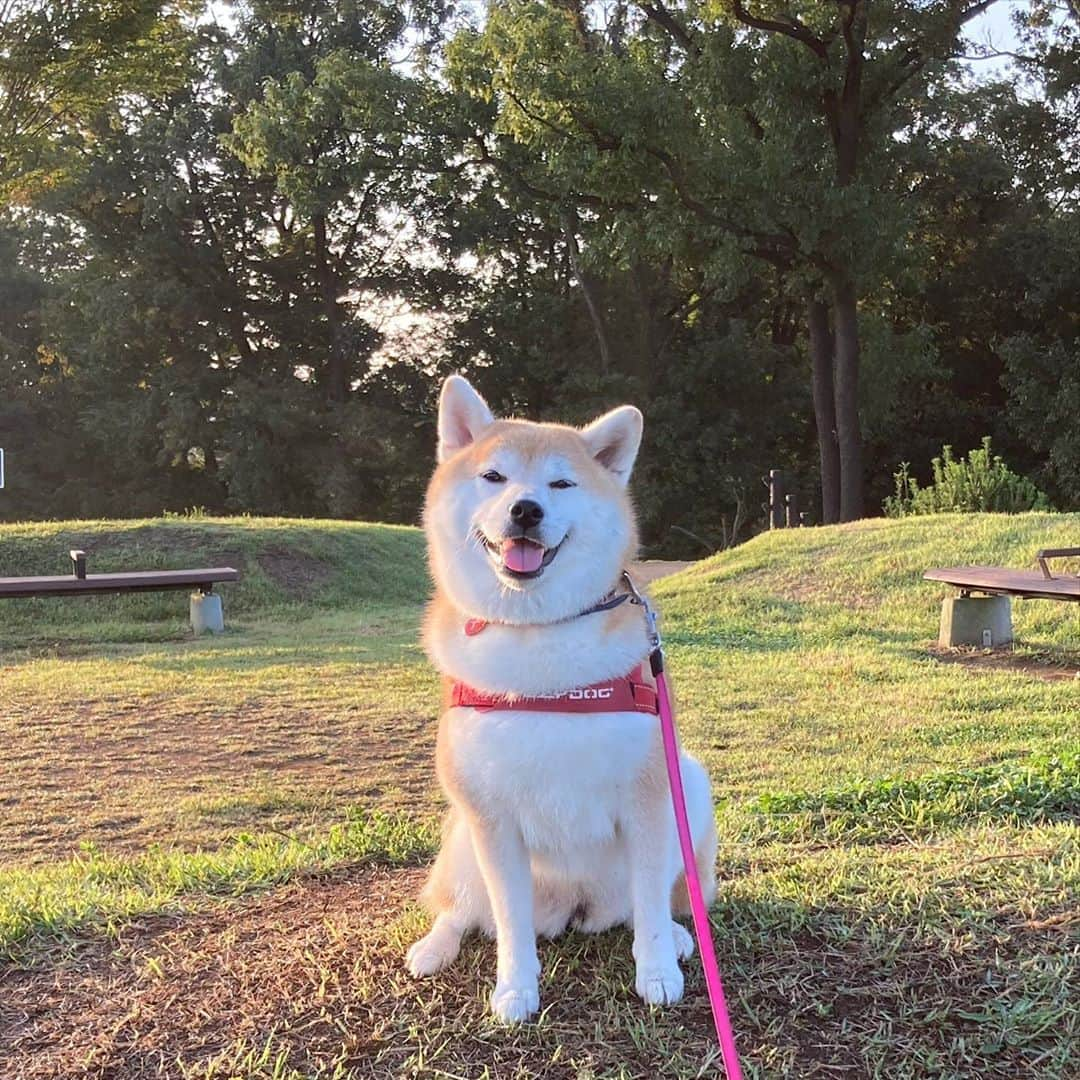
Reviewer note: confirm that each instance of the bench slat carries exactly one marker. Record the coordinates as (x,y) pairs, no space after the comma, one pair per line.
(130,581)
(1004,582)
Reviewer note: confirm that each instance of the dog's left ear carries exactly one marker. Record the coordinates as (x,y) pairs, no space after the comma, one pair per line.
(463,414)
(613,440)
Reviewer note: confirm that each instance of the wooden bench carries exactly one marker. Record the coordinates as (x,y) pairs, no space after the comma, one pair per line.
(968,619)
(80,583)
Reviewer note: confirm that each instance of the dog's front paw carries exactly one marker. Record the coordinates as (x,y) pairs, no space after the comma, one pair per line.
(431,954)
(659,984)
(514,1002)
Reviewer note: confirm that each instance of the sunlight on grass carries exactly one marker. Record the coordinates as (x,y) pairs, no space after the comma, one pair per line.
(899,838)
(1037,790)
(94,890)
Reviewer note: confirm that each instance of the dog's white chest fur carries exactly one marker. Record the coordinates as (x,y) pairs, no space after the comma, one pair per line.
(536,660)
(563,778)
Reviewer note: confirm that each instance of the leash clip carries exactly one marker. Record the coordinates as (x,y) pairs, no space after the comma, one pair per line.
(638,598)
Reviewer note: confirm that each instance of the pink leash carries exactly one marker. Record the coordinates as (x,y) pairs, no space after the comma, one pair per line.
(702,928)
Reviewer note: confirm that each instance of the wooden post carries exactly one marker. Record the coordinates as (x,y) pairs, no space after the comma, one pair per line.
(777,491)
(791,503)
(78,563)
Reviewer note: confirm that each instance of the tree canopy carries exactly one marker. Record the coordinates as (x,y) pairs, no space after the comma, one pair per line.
(814,236)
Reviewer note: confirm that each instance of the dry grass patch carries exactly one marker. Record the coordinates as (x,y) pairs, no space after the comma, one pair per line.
(124,774)
(1050,668)
(176,991)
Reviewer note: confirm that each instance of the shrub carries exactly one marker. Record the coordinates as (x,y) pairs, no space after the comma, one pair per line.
(981,483)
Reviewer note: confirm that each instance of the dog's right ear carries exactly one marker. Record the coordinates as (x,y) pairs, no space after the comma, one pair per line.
(463,415)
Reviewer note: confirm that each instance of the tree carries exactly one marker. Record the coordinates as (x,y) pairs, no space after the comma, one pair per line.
(212,305)
(62,63)
(771,134)
(338,134)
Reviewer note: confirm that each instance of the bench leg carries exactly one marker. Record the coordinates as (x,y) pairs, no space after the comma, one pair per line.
(982,621)
(206,613)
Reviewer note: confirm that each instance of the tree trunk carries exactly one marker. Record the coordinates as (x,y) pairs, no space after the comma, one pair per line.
(336,368)
(588,290)
(233,295)
(821,355)
(846,387)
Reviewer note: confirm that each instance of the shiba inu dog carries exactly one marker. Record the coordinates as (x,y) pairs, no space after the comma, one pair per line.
(559,815)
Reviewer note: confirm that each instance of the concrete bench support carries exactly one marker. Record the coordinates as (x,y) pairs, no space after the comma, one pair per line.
(207,613)
(982,621)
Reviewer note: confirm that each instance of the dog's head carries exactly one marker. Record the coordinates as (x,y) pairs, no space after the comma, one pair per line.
(528,522)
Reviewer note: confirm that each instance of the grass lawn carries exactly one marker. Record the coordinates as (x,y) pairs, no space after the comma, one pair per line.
(209,848)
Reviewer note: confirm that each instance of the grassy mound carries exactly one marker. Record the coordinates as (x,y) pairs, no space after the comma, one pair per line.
(287,566)
(797,588)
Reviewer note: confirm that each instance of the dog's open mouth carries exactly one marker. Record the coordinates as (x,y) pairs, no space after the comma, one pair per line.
(519,557)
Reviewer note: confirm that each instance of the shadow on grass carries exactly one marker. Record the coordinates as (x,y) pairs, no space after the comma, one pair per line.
(299,978)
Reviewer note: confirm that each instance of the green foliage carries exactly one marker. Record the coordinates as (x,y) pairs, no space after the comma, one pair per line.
(65,64)
(979,483)
(1042,357)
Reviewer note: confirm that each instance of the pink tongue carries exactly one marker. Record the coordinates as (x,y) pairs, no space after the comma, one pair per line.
(522,556)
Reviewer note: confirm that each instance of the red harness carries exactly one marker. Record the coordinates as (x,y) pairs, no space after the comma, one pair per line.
(627,693)
(635,692)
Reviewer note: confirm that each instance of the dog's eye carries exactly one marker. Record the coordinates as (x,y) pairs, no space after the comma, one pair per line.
(562,485)
(493,477)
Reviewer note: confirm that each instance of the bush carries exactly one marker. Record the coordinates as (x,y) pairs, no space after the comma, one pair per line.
(981,483)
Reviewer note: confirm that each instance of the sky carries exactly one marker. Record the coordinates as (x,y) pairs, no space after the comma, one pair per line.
(994,28)
(997,21)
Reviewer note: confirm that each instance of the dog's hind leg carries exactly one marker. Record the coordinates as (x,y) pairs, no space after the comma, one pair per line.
(437,949)
(455,893)
(699,808)
(606,893)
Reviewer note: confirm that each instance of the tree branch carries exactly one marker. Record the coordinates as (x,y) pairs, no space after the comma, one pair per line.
(657,13)
(912,56)
(586,284)
(788,25)
(974,11)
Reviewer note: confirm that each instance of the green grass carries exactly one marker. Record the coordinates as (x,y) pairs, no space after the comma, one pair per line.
(1040,789)
(95,891)
(899,829)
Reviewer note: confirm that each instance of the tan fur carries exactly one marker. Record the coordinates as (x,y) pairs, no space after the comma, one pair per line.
(705,857)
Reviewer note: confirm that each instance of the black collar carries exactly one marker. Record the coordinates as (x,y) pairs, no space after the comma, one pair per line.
(612,600)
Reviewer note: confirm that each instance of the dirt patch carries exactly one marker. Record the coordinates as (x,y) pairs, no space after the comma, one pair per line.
(1048,670)
(298,575)
(313,970)
(177,991)
(648,570)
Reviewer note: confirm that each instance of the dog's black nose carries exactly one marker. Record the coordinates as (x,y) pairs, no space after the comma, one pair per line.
(526,513)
